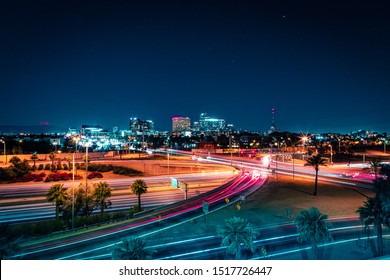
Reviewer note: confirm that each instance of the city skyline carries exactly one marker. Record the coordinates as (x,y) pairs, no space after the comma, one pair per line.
(323,65)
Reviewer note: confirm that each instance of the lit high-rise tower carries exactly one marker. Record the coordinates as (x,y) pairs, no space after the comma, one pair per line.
(273,126)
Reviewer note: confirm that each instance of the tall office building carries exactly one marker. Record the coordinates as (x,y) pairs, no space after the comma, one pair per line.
(138,126)
(181,124)
(273,127)
(208,124)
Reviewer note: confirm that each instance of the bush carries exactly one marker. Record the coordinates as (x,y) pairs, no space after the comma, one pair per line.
(121,170)
(40,228)
(40,166)
(47,166)
(61,176)
(29,178)
(6,174)
(95,175)
(65,166)
(59,166)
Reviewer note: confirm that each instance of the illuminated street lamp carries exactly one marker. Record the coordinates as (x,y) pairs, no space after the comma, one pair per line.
(304,141)
(76,139)
(86,145)
(230,147)
(5,151)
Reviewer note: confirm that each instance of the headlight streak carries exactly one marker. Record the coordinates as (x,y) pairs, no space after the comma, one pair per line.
(238,185)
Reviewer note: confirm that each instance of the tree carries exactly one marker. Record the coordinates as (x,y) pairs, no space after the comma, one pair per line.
(132,248)
(375,165)
(57,194)
(68,159)
(139,188)
(315,161)
(312,228)
(235,232)
(19,168)
(376,211)
(52,157)
(15,160)
(89,202)
(102,191)
(34,158)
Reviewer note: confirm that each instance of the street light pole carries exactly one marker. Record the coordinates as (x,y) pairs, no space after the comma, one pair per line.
(293,163)
(331,154)
(231,152)
(73,193)
(86,168)
(5,151)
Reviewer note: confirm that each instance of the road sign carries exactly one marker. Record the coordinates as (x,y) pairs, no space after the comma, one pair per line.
(174,182)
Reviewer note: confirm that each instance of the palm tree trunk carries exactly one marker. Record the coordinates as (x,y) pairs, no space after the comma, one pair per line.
(379,239)
(316,184)
(57,211)
(238,252)
(139,202)
(102,206)
(315,251)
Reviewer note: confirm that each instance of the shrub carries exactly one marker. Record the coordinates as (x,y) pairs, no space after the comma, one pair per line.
(29,178)
(95,175)
(40,166)
(121,170)
(61,176)
(47,166)
(65,166)
(59,166)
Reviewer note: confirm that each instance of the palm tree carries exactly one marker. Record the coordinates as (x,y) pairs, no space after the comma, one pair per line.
(138,188)
(312,228)
(57,194)
(68,159)
(235,232)
(132,248)
(376,210)
(316,161)
(101,192)
(375,165)
(34,158)
(52,157)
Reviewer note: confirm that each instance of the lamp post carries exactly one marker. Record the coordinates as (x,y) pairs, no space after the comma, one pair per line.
(86,166)
(76,139)
(304,140)
(73,193)
(331,154)
(230,147)
(5,151)
(293,153)
(384,145)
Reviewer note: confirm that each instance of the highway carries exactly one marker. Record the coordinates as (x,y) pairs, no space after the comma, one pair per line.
(26,201)
(96,243)
(77,243)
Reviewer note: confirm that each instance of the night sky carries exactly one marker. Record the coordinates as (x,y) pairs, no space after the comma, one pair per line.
(323,65)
